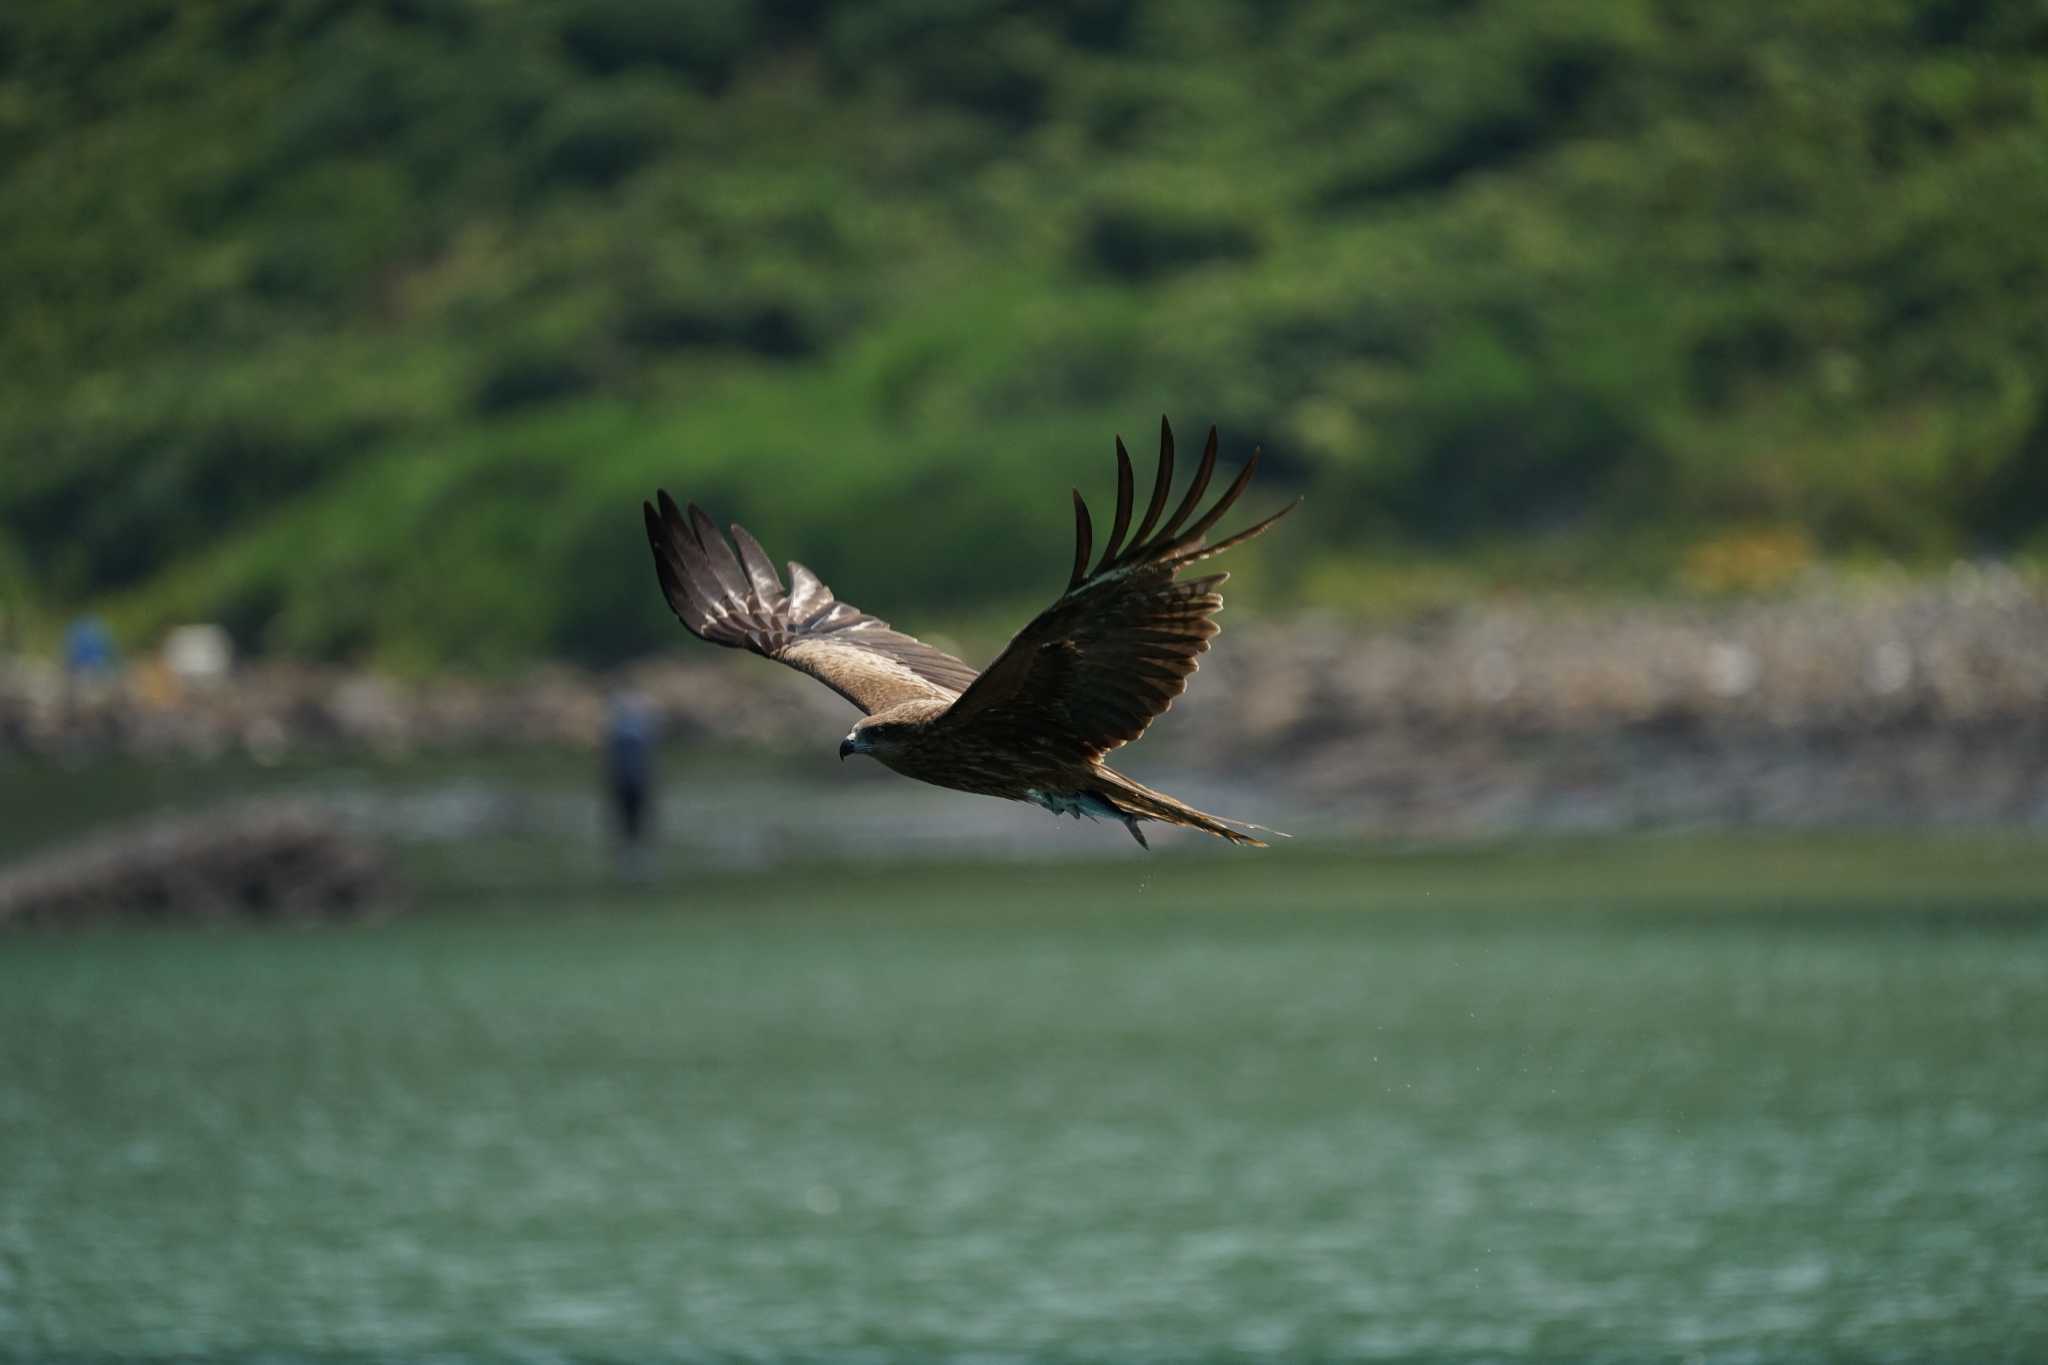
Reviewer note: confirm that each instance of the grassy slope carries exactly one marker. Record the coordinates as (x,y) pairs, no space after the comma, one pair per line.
(363,327)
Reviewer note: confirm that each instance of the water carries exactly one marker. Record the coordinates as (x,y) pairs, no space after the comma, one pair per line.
(1057,1115)
(502,818)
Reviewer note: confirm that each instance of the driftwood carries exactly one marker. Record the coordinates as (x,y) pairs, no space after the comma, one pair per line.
(268,860)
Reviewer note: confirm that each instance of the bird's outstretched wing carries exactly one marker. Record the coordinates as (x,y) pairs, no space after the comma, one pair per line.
(739,601)
(1094,669)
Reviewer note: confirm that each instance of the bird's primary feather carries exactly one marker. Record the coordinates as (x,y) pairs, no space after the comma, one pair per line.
(1094,669)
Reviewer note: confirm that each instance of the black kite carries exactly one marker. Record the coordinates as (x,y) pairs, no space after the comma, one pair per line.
(1087,675)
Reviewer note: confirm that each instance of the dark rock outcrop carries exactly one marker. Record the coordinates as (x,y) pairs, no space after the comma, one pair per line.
(273,860)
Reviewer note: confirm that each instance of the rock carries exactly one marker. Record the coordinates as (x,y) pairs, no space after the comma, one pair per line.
(268,860)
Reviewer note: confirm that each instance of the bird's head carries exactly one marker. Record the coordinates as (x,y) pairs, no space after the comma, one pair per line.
(875,737)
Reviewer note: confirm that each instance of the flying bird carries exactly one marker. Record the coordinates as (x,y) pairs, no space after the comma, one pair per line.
(1086,676)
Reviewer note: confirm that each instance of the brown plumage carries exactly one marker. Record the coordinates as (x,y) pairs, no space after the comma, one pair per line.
(1089,673)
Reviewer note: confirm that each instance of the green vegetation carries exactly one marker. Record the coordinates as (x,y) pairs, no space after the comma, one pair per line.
(363,327)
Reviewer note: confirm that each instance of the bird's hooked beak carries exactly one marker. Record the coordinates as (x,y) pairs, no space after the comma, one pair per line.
(846,747)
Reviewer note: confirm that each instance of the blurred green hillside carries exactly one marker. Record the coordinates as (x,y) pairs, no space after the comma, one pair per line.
(364,327)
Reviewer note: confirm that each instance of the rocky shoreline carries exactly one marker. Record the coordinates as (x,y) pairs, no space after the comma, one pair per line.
(1844,702)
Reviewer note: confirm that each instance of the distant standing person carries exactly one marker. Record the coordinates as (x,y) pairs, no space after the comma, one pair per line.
(629,774)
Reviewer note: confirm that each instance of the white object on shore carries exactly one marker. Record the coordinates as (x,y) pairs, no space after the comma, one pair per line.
(199,654)
(1732,669)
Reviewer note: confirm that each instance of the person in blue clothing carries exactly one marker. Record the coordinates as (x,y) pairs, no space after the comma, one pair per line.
(89,649)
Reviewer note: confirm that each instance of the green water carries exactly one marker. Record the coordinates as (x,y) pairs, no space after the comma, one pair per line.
(1549,1106)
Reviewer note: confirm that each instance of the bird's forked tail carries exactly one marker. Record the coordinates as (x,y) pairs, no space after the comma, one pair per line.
(1134,801)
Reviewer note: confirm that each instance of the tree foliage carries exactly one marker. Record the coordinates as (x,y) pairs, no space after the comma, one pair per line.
(364,324)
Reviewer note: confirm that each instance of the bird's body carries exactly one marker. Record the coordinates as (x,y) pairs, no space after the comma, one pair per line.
(1085,676)
(915,740)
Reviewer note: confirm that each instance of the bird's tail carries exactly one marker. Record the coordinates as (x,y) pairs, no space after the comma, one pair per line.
(1135,801)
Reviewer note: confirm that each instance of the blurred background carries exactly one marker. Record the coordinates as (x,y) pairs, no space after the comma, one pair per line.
(1653,680)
